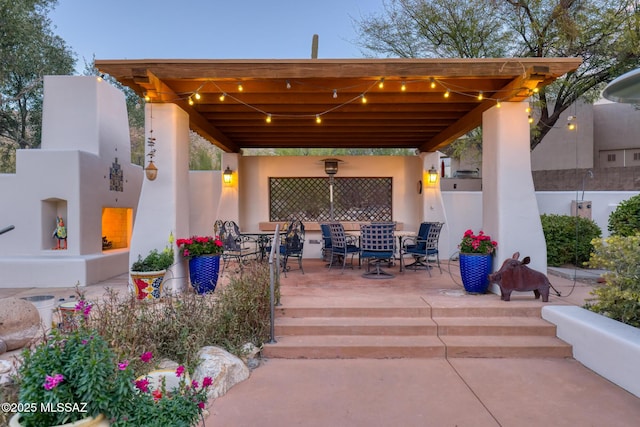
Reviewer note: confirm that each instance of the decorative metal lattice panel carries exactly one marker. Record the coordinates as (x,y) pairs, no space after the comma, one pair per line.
(307,199)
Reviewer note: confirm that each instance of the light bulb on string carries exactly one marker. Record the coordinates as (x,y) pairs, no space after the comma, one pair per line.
(498,104)
(447,93)
(318,119)
(268,118)
(288,84)
(190,101)
(197,95)
(381,84)
(530,119)
(222,97)
(364,99)
(480,96)
(403,87)
(433,83)
(335,93)
(240,87)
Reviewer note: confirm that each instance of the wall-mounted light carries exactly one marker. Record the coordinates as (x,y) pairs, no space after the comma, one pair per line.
(227,175)
(432,175)
(331,166)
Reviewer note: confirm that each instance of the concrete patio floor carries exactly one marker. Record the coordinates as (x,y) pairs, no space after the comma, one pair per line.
(412,392)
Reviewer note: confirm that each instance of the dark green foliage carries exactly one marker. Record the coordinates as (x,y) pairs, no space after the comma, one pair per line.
(625,220)
(568,238)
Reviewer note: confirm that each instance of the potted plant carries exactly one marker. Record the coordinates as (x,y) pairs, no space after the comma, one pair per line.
(476,256)
(75,379)
(203,253)
(147,274)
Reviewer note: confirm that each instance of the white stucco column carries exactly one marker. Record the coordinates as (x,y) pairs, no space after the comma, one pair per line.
(229,203)
(164,203)
(509,209)
(433,205)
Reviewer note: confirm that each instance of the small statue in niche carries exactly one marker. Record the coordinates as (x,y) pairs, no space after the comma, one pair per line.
(60,233)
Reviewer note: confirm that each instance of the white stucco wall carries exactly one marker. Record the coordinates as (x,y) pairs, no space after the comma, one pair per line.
(85,129)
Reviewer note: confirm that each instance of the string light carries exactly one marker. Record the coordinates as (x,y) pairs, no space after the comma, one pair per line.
(449,88)
(147,98)
(536,90)
(528,109)
(571,124)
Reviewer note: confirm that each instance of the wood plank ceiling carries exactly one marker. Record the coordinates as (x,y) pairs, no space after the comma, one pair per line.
(410,110)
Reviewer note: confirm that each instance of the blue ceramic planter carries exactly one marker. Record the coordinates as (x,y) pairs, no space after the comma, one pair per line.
(203,273)
(475,270)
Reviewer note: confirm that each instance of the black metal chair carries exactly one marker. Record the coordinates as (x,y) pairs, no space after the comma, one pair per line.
(235,245)
(422,247)
(291,244)
(326,241)
(377,245)
(342,245)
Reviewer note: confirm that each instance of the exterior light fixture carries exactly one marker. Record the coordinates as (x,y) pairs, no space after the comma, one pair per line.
(227,175)
(433,175)
(331,166)
(151,171)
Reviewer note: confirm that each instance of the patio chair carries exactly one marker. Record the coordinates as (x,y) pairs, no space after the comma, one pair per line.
(235,245)
(342,245)
(326,241)
(422,247)
(291,244)
(377,245)
(217,226)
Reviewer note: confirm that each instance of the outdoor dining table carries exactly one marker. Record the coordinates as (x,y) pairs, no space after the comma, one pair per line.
(400,234)
(262,238)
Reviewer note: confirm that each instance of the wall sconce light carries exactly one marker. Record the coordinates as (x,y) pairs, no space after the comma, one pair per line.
(433,175)
(331,166)
(227,175)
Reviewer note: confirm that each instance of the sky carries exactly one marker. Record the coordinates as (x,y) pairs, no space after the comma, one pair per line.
(209,29)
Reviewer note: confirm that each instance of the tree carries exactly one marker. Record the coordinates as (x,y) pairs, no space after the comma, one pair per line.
(604,33)
(28,51)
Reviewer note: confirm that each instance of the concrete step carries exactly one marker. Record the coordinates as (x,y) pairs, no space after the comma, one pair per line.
(353,311)
(355,326)
(497,326)
(506,346)
(354,346)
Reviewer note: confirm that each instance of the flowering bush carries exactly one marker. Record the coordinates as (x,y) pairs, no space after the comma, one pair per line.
(199,245)
(77,369)
(75,375)
(477,244)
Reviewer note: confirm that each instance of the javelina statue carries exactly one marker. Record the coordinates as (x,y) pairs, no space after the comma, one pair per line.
(514,275)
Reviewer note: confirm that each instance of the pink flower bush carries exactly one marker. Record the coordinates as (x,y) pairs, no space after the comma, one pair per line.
(199,245)
(477,244)
(50,382)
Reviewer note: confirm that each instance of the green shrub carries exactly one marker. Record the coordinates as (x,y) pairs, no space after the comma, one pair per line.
(625,219)
(568,238)
(177,326)
(619,298)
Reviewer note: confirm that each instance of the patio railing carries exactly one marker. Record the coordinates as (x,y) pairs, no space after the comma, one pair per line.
(274,275)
